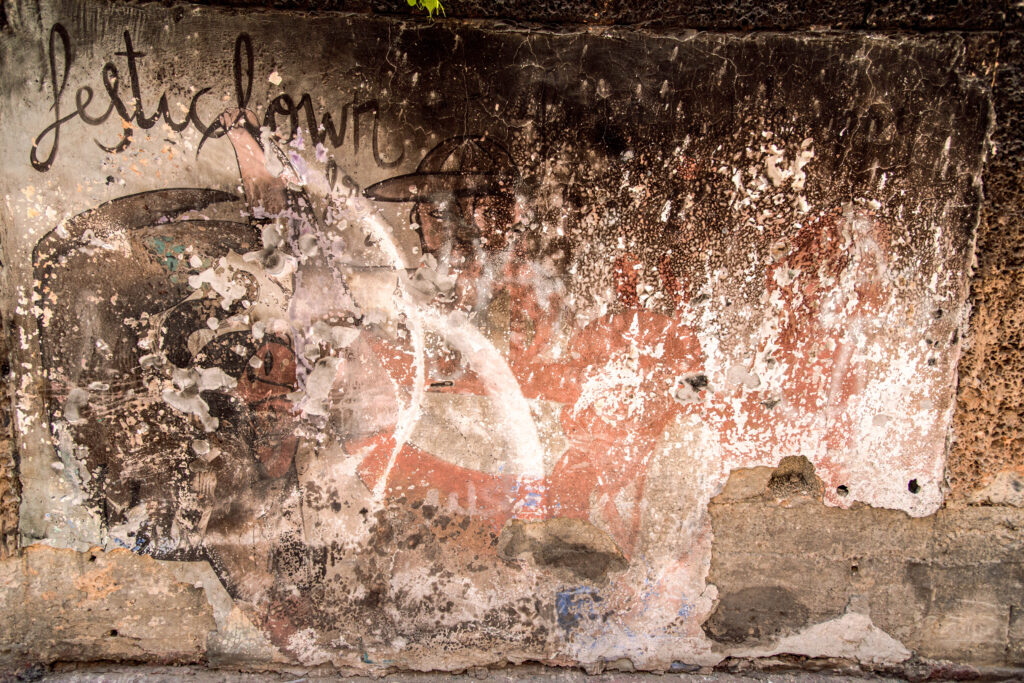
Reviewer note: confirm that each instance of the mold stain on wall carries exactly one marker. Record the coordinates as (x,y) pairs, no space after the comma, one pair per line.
(438,361)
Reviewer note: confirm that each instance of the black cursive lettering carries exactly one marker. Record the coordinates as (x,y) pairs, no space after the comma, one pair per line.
(328,127)
(57,32)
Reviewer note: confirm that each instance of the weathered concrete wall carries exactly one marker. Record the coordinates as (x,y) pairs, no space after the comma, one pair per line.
(411,345)
(69,606)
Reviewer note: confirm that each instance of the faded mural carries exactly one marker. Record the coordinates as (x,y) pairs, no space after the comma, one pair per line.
(436,344)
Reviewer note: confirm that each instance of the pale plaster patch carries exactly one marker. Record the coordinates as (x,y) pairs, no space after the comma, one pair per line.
(851,636)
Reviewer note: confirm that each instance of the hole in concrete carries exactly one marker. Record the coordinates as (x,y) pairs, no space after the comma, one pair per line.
(913,486)
(794,476)
(698,382)
(841,490)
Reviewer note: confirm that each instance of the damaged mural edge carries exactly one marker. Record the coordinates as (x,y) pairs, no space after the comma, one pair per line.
(440,366)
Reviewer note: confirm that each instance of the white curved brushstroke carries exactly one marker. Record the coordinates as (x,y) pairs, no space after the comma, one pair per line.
(456,328)
(410,414)
(499,382)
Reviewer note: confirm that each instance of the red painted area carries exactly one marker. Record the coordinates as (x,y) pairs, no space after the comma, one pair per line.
(838,282)
(612,436)
(608,451)
(264,390)
(622,380)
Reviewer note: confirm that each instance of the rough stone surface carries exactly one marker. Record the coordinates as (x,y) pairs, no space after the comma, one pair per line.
(62,605)
(721,15)
(988,449)
(523,673)
(9,483)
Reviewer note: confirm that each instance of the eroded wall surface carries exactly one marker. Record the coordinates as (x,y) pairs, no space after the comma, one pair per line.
(429,345)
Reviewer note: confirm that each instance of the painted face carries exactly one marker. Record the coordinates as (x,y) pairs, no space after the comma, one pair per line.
(265,377)
(269,376)
(464,221)
(444,221)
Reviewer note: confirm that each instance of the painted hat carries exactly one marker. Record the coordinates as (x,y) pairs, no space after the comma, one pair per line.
(462,166)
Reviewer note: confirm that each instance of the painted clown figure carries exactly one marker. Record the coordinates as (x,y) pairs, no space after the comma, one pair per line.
(329,388)
(477,386)
(595,400)
(601,395)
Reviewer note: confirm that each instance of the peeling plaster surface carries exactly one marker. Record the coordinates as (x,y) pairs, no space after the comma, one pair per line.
(432,343)
(851,636)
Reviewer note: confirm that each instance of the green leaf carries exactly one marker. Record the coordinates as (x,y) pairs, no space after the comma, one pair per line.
(431,6)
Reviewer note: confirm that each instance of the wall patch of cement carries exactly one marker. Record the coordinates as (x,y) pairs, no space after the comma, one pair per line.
(947,586)
(62,605)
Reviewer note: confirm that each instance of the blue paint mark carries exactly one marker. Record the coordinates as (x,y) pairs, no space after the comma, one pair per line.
(576,604)
(685,608)
(532,500)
